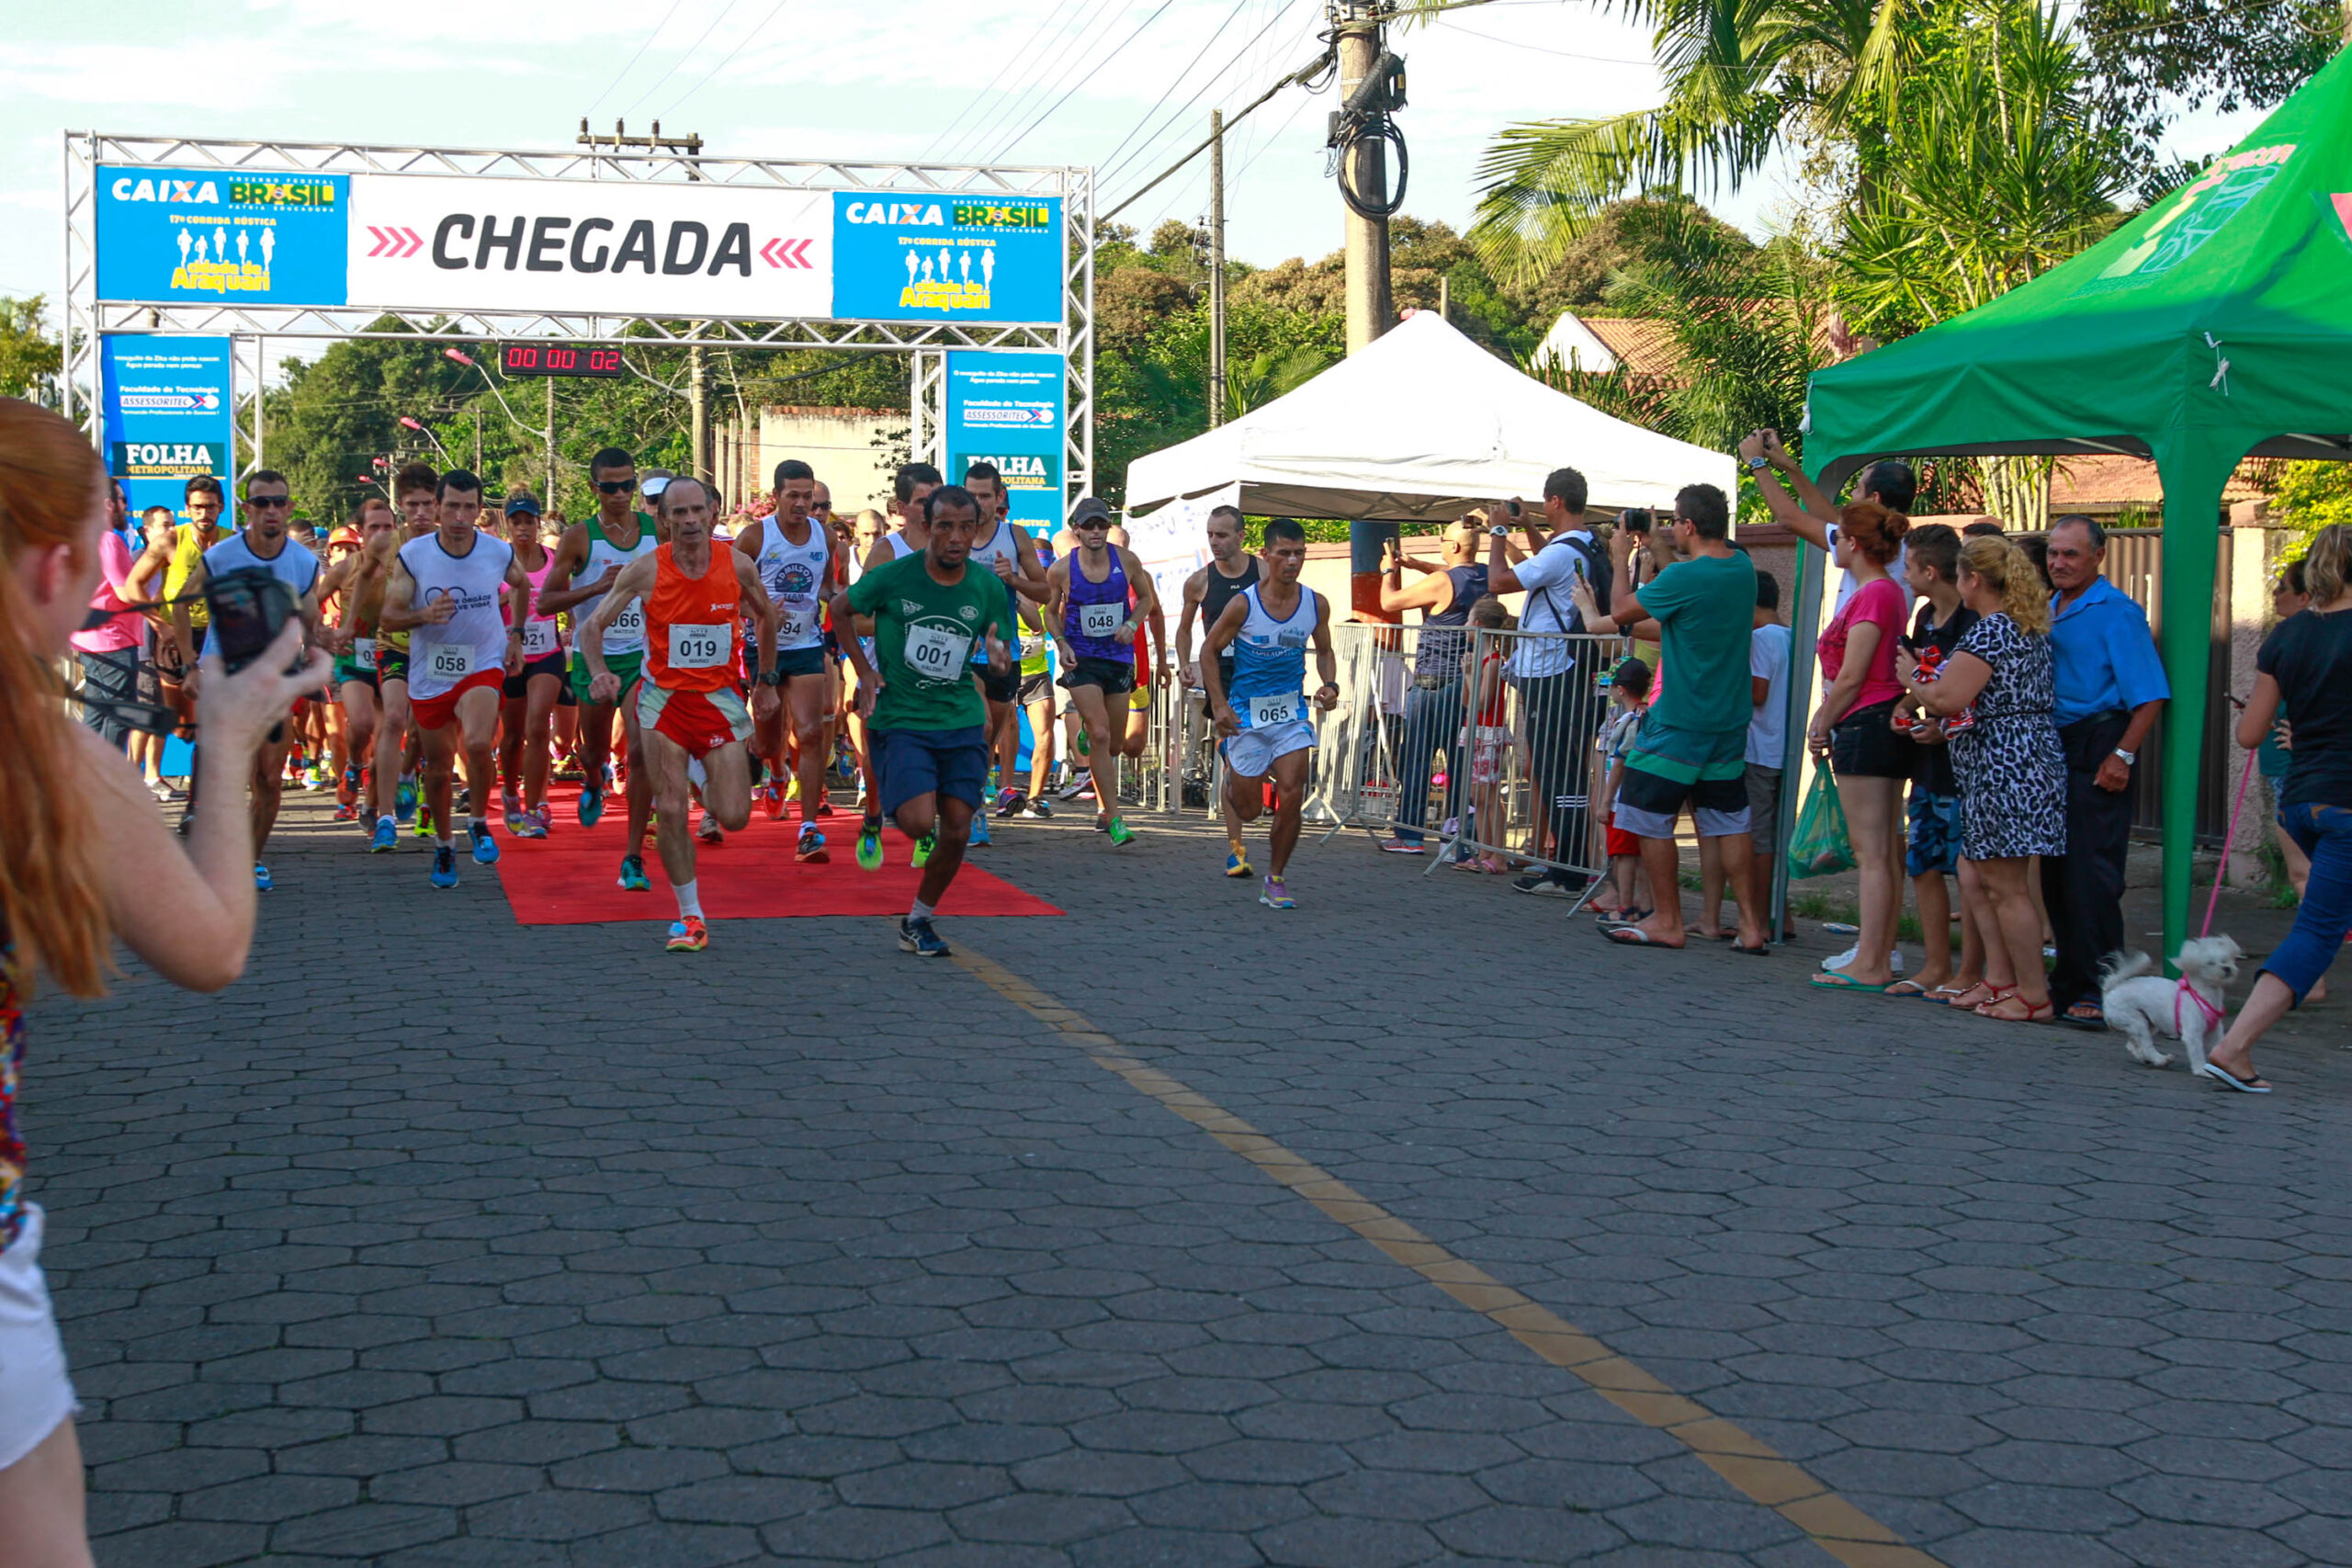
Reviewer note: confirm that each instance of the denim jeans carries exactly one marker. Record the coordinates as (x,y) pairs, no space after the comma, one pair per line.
(1433,722)
(2325,833)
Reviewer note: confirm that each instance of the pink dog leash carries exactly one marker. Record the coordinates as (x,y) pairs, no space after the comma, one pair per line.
(2222,869)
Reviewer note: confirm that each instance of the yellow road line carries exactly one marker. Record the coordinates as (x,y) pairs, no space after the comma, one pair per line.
(1750,1464)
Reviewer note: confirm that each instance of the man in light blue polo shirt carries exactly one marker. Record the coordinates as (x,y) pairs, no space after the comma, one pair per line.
(2110,684)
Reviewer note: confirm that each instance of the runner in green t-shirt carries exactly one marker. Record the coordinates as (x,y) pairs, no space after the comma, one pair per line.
(926,721)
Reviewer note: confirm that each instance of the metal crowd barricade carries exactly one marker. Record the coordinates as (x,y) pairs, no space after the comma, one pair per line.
(1533,713)
(1358,776)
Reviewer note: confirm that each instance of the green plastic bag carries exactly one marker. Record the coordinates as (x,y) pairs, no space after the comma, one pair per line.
(1821,846)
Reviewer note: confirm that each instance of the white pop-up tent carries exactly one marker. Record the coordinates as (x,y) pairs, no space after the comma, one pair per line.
(1421,423)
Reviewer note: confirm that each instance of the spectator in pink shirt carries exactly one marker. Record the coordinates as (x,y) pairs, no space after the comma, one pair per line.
(108,651)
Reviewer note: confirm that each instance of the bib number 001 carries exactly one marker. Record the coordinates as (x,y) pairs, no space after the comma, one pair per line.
(937,653)
(697,648)
(1267,712)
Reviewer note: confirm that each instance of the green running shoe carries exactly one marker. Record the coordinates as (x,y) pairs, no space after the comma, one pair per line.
(923,846)
(869,845)
(633,875)
(1120,832)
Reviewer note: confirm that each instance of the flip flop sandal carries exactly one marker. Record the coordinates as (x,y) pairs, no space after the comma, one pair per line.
(1946,995)
(1629,936)
(1761,950)
(1831,980)
(1907,988)
(2223,1075)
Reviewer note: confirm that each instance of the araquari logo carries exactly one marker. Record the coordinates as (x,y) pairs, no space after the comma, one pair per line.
(2204,205)
(951,287)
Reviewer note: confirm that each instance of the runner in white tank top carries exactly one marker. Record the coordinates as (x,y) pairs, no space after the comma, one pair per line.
(797,575)
(1011,554)
(444,593)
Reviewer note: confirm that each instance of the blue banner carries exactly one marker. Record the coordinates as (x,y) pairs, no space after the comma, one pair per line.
(1007,409)
(263,239)
(164,405)
(905,258)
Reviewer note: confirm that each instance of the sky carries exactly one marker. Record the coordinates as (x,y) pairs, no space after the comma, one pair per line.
(1123,86)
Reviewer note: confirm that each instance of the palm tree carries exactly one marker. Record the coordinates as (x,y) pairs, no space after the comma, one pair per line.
(1744,79)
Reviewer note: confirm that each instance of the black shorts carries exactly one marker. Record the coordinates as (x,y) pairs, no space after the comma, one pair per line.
(1005,688)
(791,661)
(518,685)
(1116,678)
(1037,688)
(1863,745)
(391,663)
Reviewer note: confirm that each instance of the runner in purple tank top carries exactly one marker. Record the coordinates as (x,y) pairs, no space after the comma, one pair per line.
(1086,607)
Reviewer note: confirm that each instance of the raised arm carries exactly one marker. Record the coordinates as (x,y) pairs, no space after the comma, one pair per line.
(1434,594)
(1787,493)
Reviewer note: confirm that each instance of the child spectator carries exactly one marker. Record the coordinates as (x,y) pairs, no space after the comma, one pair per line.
(1629,691)
(1767,688)
(1491,735)
(1933,818)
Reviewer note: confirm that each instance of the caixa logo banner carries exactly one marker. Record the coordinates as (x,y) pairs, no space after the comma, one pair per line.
(605,247)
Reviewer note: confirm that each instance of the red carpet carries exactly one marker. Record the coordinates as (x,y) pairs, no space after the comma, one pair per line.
(568,878)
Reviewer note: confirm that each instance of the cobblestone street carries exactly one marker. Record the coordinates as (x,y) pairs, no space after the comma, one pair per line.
(1417,1226)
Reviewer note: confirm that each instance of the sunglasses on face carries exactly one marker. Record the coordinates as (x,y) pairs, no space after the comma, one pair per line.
(616,487)
(1092,525)
(268,499)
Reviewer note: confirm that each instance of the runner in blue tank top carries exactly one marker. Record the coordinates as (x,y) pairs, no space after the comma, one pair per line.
(1086,607)
(1263,716)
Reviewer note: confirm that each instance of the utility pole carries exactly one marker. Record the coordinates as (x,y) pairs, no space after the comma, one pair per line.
(697,370)
(1216,267)
(549,498)
(1361,42)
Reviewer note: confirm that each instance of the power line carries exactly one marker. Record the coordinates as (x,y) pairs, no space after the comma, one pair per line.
(1109,162)
(1099,65)
(633,59)
(985,95)
(727,59)
(1067,44)
(1327,58)
(1185,108)
(679,61)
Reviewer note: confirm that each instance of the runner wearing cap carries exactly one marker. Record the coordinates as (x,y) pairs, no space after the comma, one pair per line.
(928,721)
(1090,592)
(526,708)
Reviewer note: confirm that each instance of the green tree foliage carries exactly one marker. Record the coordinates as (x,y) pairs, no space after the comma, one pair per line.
(2311,496)
(29,357)
(2154,57)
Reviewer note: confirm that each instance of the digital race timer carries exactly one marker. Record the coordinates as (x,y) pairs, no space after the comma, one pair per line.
(558,359)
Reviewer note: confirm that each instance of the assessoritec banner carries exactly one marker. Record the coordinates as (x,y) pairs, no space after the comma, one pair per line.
(164,405)
(604,247)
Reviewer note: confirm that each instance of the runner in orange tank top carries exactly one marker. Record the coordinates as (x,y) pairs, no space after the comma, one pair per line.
(690,704)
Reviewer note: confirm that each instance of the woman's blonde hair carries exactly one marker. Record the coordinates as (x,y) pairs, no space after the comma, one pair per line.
(2328,563)
(1489,612)
(1998,562)
(51,486)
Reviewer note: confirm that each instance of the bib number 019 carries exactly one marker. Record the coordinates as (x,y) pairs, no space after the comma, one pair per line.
(697,648)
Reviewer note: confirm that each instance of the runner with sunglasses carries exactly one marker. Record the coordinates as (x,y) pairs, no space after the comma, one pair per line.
(262,543)
(1089,592)
(589,559)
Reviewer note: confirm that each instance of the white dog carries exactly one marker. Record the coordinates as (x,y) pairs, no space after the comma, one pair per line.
(2144,1004)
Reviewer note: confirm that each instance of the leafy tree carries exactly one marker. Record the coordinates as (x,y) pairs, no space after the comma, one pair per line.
(2154,57)
(29,357)
(2309,497)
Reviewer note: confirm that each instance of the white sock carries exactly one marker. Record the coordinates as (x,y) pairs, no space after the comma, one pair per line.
(478,824)
(445,841)
(922,912)
(689,898)
(387,816)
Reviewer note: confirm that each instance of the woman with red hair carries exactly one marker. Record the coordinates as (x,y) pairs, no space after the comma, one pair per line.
(84,858)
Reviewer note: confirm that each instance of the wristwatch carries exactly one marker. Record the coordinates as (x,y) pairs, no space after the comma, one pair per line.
(1758,464)
(770,677)
(1500,531)
(2129,757)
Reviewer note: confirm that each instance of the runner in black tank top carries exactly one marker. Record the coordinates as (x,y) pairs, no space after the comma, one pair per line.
(1206,594)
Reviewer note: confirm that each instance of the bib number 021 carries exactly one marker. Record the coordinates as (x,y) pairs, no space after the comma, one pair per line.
(697,648)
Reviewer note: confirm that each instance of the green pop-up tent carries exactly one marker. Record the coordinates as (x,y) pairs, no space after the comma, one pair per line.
(2214,326)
